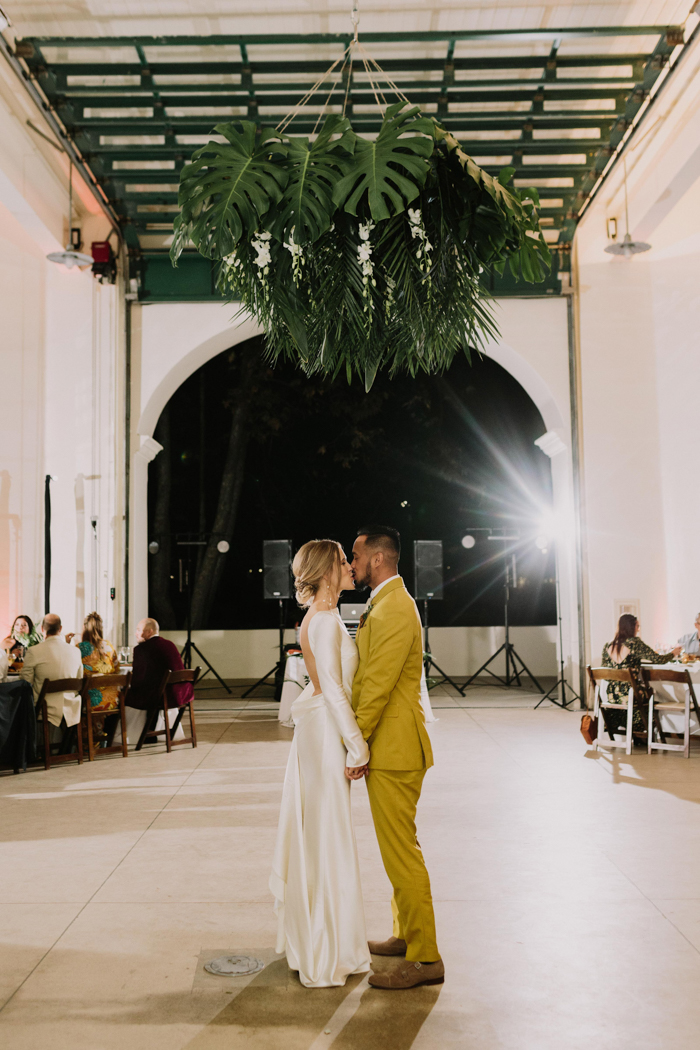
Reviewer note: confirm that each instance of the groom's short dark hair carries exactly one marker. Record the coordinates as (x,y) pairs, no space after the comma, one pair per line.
(382,538)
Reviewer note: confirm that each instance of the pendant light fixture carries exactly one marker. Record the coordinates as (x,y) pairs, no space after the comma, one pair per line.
(70,257)
(628,247)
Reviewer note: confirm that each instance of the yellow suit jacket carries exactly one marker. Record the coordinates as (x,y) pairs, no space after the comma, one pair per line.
(386,689)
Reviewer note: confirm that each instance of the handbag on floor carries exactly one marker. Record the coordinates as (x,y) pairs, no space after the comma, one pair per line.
(589,729)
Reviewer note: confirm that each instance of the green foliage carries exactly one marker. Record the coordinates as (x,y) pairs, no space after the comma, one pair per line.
(305,211)
(228,189)
(391,170)
(359,255)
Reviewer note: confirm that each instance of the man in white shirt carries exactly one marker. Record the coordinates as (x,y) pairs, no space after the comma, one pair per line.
(691,641)
(53,659)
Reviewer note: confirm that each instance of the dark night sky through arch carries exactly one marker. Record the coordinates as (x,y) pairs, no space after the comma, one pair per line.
(432,456)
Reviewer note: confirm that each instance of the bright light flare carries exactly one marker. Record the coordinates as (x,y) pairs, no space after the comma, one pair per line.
(468,541)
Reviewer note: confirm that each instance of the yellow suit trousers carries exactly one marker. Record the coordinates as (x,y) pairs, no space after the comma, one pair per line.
(393,796)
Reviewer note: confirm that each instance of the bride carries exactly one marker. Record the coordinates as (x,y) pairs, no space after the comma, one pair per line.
(315,874)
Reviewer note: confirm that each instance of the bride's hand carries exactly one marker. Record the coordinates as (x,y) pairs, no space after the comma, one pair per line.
(356,772)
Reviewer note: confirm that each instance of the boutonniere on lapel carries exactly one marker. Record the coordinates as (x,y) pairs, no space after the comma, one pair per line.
(363,618)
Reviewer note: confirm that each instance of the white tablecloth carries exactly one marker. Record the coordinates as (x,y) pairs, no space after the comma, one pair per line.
(296,679)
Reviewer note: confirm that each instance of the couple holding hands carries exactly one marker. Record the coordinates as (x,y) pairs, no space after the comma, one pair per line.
(359,716)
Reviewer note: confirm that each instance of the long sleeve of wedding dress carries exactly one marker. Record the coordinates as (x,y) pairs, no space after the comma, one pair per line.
(325,639)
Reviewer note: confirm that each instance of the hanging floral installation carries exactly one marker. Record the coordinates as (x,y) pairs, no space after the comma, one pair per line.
(357,254)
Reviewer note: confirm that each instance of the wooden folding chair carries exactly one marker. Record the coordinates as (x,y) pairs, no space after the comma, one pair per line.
(599,677)
(657,705)
(123,681)
(60,685)
(149,729)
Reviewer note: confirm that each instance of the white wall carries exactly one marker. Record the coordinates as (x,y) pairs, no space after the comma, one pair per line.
(62,392)
(640,376)
(459,651)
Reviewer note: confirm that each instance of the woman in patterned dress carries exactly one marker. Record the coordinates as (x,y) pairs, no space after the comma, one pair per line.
(99,657)
(628,650)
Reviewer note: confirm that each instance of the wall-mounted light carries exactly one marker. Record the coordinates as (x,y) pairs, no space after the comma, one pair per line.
(223,546)
(153,547)
(627,246)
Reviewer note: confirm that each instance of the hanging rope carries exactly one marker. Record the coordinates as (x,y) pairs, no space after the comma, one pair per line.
(374,72)
(286,121)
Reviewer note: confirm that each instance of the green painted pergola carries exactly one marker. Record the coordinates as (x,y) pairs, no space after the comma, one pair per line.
(137,108)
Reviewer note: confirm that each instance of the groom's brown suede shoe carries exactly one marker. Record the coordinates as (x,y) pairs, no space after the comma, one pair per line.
(394,946)
(409,975)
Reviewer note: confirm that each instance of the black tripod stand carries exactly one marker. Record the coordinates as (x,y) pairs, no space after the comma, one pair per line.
(561,682)
(278,669)
(190,646)
(512,675)
(428,661)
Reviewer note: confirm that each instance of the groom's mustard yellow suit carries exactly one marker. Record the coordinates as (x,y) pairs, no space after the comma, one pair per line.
(386,701)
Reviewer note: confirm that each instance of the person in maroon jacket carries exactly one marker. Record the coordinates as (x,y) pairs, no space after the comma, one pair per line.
(153,656)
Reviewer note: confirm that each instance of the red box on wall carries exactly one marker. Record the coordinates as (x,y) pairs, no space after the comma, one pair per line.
(101,251)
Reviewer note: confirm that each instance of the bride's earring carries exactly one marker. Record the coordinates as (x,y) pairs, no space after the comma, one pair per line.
(327,598)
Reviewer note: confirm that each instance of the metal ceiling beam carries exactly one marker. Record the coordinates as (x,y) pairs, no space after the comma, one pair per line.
(389,65)
(434,36)
(136,153)
(97,94)
(426,93)
(446,88)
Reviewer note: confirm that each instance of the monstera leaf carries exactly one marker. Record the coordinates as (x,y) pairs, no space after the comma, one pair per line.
(306,209)
(228,189)
(392,169)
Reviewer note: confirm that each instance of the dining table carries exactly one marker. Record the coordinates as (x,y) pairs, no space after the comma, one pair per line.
(17,724)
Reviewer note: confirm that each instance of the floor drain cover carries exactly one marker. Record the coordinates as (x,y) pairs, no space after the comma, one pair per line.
(234,965)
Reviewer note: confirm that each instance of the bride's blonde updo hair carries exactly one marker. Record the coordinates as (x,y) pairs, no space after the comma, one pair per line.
(312,562)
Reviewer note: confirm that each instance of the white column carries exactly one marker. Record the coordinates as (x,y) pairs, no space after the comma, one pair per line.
(564,534)
(138,584)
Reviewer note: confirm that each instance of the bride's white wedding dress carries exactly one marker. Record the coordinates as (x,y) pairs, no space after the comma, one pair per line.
(315,873)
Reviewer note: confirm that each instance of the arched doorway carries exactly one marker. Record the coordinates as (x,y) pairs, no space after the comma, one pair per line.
(176,340)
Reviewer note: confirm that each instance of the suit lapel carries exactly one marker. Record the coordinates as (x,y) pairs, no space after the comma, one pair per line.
(393,585)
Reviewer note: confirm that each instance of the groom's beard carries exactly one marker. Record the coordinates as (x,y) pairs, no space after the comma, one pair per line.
(363,583)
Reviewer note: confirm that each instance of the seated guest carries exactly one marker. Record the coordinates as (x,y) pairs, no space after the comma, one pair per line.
(53,659)
(628,650)
(691,642)
(4,665)
(99,657)
(153,656)
(22,635)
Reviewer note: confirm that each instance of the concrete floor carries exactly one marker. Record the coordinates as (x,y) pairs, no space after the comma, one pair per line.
(567,889)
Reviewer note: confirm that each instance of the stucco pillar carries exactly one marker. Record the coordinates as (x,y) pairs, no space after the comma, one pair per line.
(138,605)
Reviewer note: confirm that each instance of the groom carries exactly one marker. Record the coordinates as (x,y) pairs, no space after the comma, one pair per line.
(386,701)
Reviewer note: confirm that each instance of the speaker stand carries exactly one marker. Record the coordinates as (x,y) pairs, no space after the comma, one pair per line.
(511,676)
(561,684)
(189,645)
(428,661)
(279,668)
